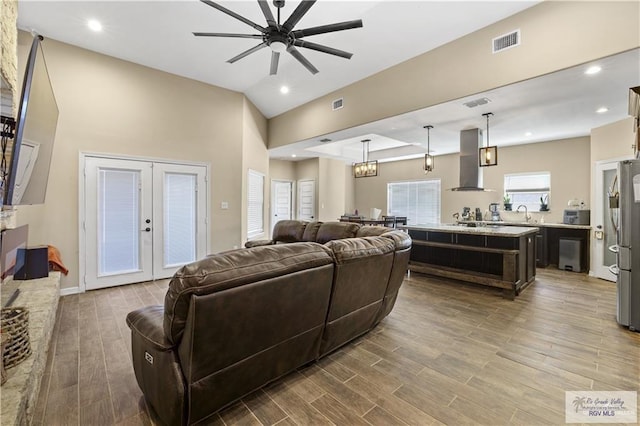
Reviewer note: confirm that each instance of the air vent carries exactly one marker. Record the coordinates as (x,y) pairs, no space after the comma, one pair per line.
(506,41)
(325,140)
(337,104)
(477,102)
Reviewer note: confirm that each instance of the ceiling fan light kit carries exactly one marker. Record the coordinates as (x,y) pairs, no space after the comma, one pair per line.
(283,37)
(488,155)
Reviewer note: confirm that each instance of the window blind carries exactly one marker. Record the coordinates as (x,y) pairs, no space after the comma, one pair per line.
(528,189)
(255,204)
(418,201)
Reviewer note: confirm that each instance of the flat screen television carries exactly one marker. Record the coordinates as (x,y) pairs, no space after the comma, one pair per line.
(35,129)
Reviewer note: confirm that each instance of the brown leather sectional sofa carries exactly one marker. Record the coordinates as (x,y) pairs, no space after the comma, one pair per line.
(237,320)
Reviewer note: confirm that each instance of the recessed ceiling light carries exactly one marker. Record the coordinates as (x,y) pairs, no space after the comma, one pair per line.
(527,134)
(602,110)
(293,155)
(94,25)
(284,90)
(594,69)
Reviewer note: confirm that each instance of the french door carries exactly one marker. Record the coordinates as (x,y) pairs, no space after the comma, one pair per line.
(141,219)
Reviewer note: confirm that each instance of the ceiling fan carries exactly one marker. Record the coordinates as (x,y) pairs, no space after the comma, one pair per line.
(282,37)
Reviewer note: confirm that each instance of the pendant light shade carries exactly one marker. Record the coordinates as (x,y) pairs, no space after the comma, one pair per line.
(488,155)
(428,158)
(366,168)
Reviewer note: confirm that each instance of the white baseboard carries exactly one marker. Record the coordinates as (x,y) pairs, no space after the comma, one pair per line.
(68,291)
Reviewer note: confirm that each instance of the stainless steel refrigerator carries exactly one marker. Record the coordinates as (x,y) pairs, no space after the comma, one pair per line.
(628,256)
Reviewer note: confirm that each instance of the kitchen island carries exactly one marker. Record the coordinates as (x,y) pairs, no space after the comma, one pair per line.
(497,256)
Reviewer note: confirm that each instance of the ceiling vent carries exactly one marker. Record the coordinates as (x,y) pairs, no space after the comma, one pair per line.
(337,104)
(325,140)
(477,102)
(506,41)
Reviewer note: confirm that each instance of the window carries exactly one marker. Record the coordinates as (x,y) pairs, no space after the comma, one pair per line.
(529,189)
(255,204)
(419,201)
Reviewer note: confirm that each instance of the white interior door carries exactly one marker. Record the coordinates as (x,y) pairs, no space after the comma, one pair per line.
(604,231)
(142,220)
(307,200)
(118,202)
(281,201)
(179,215)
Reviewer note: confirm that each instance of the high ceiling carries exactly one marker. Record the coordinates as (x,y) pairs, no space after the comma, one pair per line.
(157,34)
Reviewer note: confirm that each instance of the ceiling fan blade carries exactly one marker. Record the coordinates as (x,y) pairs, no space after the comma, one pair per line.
(235,15)
(296,54)
(267,13)
(260,36)
(247,52)
(297,14)
(323,49)
(275,57)
(322,29)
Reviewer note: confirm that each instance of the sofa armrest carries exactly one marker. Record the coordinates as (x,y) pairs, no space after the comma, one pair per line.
(259,243)
(147,323)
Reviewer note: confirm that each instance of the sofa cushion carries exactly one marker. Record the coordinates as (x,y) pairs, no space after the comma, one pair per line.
(311,231)
(371,231)
(288,231)
(336,231)
(231,269)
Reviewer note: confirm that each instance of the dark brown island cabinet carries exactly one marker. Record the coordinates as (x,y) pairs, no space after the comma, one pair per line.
(497,256)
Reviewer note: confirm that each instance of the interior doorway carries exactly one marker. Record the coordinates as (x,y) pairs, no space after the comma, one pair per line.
(281,201)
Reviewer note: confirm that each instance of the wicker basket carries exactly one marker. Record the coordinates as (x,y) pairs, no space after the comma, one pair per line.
(15,323)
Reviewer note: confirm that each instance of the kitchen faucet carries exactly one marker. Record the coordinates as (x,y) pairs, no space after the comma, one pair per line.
(526,212)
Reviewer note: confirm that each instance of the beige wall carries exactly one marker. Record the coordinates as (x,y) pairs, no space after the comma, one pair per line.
(113,106)
(566,182)
(612,141)
(555,35)
(254,157)
(332,189)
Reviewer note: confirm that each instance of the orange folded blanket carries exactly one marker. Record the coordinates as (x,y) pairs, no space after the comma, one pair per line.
(55,260)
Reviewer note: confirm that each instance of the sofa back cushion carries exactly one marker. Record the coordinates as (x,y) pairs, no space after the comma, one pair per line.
(371,231)
(288,231)
(311,231)
(363,267)
(329,231)
(231,269)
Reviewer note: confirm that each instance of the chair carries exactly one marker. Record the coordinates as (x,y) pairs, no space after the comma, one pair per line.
(389,221)
(401,220)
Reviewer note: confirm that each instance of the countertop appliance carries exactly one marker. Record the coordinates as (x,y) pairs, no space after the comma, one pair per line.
(576,217)
(494,208)
(628,265)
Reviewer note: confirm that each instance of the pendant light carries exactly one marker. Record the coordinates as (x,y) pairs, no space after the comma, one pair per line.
(428,158)
(366,168)
(488,154)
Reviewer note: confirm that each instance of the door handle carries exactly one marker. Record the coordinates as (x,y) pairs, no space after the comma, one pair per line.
(614,269)
(614,248)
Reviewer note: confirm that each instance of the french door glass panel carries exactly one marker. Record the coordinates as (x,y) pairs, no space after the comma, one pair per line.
(179,215)
(179,219)
(118,221)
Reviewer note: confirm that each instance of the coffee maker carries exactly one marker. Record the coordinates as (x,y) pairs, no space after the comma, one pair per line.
(495,212)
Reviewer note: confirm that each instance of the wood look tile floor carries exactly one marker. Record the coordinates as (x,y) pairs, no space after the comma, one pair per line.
(449,353)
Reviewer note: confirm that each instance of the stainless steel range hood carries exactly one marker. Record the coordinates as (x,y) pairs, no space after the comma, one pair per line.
(470,171)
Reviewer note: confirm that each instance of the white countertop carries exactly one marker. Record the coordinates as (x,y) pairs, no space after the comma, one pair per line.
(490,230)
(530,223)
